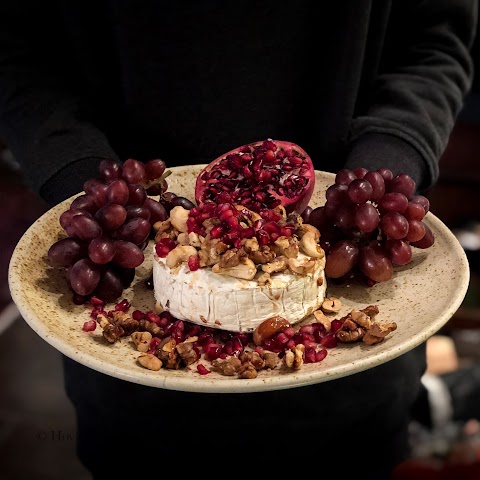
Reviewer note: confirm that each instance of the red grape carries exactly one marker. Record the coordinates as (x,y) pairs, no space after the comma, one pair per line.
(133,171)
(101,250)
(84,276)
(66,252)
(127,254)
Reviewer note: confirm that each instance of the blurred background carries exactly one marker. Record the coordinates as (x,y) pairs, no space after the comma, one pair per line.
(37,423)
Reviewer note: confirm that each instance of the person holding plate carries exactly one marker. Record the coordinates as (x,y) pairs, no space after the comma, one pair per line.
(360,83)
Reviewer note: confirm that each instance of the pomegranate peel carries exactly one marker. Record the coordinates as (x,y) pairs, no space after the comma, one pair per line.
(260,175)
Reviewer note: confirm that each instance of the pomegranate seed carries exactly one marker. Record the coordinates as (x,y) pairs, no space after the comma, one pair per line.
(138,315)
(97,302)
(213,351)
(329,341)
(307,329)
(193,263)
(310,355)
(321,354)
(96,312)
(336,325)
(123,306)
(152,317)
(154,342)
(202,370)
(89,326)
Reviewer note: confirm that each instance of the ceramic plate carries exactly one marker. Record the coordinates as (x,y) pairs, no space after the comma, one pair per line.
(420,298)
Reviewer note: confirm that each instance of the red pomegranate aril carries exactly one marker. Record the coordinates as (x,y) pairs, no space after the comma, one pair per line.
(123,306)
(289,332)
(336,325)
(321,354)
(204,338)
(96,302)
(89,326)
(152,317)
(212,350)
(193,263)
(202,370)
(281,339)
(154,343)
(309,328)
(329,341)
(138,315)
(309,355)
(291,344)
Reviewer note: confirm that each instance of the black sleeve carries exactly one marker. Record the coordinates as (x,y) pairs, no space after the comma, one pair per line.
(41,118)
(425,72)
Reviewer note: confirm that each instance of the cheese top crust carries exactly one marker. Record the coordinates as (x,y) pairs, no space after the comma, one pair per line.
(221,301)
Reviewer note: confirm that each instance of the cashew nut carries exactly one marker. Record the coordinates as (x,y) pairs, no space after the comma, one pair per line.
(321,318)
(179,217)
(331,305)
(304,228)
(180,254)
(142,340)
(149,361)
(301,266)
(309,245)
(245,270)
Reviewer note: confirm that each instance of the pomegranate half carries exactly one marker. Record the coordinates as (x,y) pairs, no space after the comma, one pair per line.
(260,175)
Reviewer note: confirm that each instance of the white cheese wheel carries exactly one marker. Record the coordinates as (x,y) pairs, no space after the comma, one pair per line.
(228,303)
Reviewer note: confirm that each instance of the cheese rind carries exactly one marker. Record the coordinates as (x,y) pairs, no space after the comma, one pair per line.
(211,299)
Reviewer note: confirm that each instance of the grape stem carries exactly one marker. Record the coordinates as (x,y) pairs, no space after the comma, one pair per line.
(159,180)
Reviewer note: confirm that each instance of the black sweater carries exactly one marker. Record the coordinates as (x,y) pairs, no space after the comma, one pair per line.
(367,82)
(354,82)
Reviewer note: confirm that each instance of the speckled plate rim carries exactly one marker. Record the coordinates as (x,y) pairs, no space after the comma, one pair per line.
(192,381)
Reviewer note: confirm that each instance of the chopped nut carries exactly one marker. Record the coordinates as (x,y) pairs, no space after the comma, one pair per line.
(251,245)
(227,366)
(167,353)
(149,361)
(349,336)
(151,327)
(179,254)
(187,352)
(271,359)
(254,358)
(141,340)
(331,305)
(361,318)
(263,279)
(112,332)
(263,255)
(247,370)
(320,317)
(158,307)
(231,258)
(371,311)
(161,227)
(287,246)
(309,244)
(245,270)
(195,240)
(280,264)
(294,358)
(179,217)
(301,266)
(378,332)
(125,321)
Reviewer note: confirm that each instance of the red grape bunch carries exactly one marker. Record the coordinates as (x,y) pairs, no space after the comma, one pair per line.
(109,226)
(369,224)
